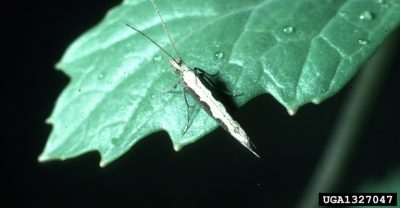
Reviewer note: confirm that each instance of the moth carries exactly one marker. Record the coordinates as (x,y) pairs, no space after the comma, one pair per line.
(193,83)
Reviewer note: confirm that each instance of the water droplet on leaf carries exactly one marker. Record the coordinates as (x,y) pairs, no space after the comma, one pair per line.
(219,55)
(366,15)
(157,58)
(100,76)
(288,29)
(382,3)
(362,42)
(216,44)
(343,13)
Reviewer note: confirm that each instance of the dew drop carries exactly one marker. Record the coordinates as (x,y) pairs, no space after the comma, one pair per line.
(100,76)
(343,13)
(382,3)
(366,15)
(157,58)
(288,29)
(219,55)
(362,42)
(216,44)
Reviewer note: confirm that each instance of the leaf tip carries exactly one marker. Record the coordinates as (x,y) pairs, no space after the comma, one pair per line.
(292,111)
(58,66)
(177,147)
(42,158)
(49,120)
(103,164)
(316,101)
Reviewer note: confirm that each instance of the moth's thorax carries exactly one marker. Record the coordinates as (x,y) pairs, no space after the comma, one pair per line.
(193,84)
(179,67)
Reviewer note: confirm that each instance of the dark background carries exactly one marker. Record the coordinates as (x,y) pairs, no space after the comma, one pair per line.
(215,171)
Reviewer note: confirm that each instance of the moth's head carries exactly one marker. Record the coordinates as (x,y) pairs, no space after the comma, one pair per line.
(177,66)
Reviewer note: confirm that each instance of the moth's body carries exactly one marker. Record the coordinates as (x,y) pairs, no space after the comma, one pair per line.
(193,84)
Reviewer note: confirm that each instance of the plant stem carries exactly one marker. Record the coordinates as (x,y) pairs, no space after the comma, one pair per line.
(346,134)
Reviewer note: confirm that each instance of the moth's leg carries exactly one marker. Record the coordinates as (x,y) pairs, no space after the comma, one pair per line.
(186,100)
(201,72)
(187,112)
(172,89)
(229,93)
(213,85)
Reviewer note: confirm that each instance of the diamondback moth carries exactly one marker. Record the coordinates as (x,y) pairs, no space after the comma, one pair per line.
(193,84)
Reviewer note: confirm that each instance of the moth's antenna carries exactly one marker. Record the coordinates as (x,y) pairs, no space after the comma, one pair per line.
(166,30)
(142,33)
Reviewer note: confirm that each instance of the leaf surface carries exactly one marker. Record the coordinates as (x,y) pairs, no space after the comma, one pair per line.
(298,51)
(388,184)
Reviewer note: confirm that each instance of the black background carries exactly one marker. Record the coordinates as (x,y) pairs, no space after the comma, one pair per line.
(215,171)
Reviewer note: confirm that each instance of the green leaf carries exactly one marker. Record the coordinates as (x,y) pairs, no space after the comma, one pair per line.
(298,51)
(388,184)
